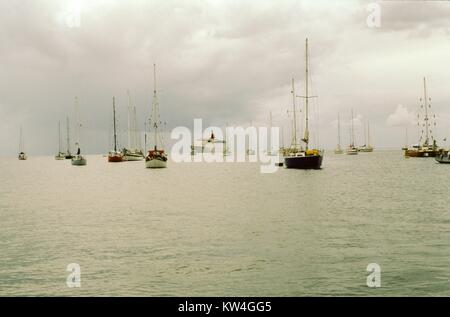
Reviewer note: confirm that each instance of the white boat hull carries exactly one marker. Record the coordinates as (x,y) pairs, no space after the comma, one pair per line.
(79,161)
(155,163)
(132,158)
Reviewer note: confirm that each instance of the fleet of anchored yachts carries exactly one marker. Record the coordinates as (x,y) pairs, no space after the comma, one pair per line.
(298,155)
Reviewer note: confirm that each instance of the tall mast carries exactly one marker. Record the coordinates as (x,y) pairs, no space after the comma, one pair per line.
(426,110)
(306,139)
(77,130)
(129,120)
(339,131)
(59,137)
(155,110)
(294,137)
(114,119)
(68,135)
(353,133)
(137,137)
(21,141)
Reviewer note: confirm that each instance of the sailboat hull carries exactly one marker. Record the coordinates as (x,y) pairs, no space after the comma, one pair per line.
(133,157)
(304,162)
(79,161)
(421,153)
(115,158)
(155,163)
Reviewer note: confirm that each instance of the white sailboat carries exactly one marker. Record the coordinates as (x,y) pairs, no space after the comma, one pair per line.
(352,150)
(69,155)
(156,158)
(115,156)
(60,156)
(133,152)
(339,150)
(366,147)
(78,159)
(22,156)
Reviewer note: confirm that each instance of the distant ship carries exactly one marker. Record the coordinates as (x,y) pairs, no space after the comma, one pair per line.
(427,146)
(156,157)
(338,149)
(352,150)
(297,157)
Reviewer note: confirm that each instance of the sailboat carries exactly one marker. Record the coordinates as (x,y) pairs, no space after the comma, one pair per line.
(78,159)
(352,150)
(133,152)
(299,158)
(156,157)
(339,150)
(366,147)
(427,146)
(69,155)
(60,156)
(250,151)
(115,156)
(22,156)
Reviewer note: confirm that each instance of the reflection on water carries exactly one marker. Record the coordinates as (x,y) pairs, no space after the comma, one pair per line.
(225,229)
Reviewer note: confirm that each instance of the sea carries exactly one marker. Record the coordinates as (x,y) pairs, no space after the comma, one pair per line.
(225,229)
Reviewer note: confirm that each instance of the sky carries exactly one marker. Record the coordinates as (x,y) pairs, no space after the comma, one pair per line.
(227,62)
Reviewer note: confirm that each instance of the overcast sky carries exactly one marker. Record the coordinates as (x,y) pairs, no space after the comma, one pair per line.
(223,61)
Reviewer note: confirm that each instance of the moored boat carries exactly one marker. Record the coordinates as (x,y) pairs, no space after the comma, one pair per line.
(427,145)
(352,150)
(78,159)
(22,156)
(338,149)
(297,158)
(157,157)
(443,157)
(115,156)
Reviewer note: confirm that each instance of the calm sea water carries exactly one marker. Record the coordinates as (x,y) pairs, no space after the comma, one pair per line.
(225,229)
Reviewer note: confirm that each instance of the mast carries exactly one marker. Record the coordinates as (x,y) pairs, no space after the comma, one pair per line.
(137,138)
(306,138)
(129,121)
(339,132)
(307,97)
(68,135)
(77,130)
(154,108)
(59,137)
(352,133)
(114,119)
(426,111)
(294,137)
(21,141)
